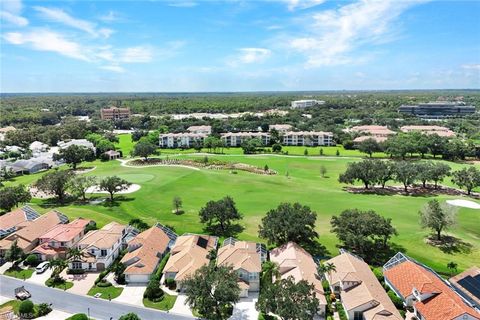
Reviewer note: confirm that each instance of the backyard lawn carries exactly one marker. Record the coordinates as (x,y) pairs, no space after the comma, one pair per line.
(107,293)
(298,179)
(165,304)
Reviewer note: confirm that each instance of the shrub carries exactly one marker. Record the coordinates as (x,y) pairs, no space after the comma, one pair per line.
(129,316)
(103,284)
(31,260)
(170,283)
(26,309)
(161,265)
(326,287)
(43,309)
(101,276)
(78,316)
(395,299)
(379,274)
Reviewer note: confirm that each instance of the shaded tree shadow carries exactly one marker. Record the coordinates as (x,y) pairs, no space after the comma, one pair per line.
(318,250)
(117,200)
(450,244)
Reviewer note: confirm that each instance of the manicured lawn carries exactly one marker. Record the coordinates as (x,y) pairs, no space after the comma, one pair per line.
(64,286)
(125,144)
(12,304)
(166,304)
(19,273)
(257,194)
(107,292)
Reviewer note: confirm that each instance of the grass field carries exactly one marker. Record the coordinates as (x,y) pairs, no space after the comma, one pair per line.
(19,273)
(256,194)
(106,292)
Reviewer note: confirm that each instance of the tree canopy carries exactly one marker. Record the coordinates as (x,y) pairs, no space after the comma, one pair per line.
(437,216)
(56,182)
(113,185)
(219,215)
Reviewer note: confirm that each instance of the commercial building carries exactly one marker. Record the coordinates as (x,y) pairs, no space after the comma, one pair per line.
(297,104)
(360,293)
(438,109)
(181,140)
(438,130)
(429,295)
(16,219)
(114,113)
(308,138)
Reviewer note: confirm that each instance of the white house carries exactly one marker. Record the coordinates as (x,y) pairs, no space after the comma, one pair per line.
(297,104)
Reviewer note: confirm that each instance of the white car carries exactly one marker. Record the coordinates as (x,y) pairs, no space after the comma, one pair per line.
(42,267)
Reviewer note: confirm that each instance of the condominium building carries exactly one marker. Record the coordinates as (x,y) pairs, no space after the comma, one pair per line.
(308,138)
(438,130)
(375,132)
(281,128)
(235,139)
(181,140)
(114,113)
(200,129)
(297,104)
(438,109)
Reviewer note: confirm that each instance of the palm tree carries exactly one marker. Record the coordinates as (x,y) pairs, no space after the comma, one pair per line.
(326,269)
(270,270)
(58,265)
(74,253)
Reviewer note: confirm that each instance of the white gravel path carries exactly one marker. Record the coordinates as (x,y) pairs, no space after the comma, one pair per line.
(464,203)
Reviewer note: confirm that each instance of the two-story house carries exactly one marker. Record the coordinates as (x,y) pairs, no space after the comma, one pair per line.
(99,247)
(246,258)
(58,240)
(16,219)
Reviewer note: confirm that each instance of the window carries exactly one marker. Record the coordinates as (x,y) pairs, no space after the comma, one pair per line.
(62,244)
(358,315)
(76,265)
(103,253)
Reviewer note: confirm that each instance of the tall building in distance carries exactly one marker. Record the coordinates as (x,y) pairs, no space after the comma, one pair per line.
(299,104)
(114,113)
(438,109)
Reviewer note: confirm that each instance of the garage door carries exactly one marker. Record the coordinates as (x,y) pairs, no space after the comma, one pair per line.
(136,278)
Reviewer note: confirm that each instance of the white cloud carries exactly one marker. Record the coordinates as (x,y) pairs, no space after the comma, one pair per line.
(45,40)
(302,4)
(334,34)
(250,55)
(13,6)
(138,54)
(113,68)
(58,15)
(13,18)
(182,4)
(472,66)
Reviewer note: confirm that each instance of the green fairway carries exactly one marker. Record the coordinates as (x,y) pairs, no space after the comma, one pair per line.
(256,194)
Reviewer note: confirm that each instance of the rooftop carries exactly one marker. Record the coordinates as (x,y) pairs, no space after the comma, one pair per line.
(66,232)
(240,255)
(103,238)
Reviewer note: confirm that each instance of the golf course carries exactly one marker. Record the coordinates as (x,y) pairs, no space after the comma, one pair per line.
(298,179)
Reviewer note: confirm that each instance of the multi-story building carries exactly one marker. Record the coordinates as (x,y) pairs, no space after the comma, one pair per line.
(281,128)
(100,247)
(438,130)
(114,113)
(438,109)
(181,140)
(306,103)
(246,258)
(57,241)
(235,139)
(200,129)
(375,132)
(308,138)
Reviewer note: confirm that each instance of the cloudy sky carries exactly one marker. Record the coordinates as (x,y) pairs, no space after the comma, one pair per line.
(183,45)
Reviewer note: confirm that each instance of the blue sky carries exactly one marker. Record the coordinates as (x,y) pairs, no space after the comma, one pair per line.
(188,45)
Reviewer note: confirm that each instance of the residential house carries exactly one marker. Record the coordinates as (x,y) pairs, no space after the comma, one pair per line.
(306,103)
(188,255)
(13,220)
(246,258)
(438,130)
(112,154)
(78,142)
(281,128)
(467,284)
(375,132)
(56,242)
(200,129)
(100,247)
(145,251)
(181,140)
(38,147)
(308,138)
(361,294)
(114,113)
(30,166)
(235,139)
(432,297)
(295,262)
(29,232)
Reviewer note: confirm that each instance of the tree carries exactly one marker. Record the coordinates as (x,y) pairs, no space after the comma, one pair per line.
(437,217)
(384,172)
(365,233)
(276,147)
(74,253)
(251,145)
(406,173)
(14,252)
(326,269)
(266,168)
(144,148)
(323,171)
(80,184)
(12,196)
(212,291)
(139,224)
(218,215)
(289,222)
(305,152)
(435,144)
(289,300)
(364,171)
(113,185)
(424,172)
(74,155)
(129,316)
(26,309)
(56,182)
(270,270)
(468,178)
(400,145)
(369,146)
(177,204)
(453,267)
(438,172)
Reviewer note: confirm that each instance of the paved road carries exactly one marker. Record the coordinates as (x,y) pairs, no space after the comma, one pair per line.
(73,303)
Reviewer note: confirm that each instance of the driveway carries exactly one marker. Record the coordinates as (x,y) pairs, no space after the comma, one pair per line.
(5,267)
(132,294)
(181,307)
(245,308)
(82,283)
(40,278)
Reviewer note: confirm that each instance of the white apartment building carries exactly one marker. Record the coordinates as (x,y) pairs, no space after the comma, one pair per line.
(298,104)
(180,140)
(200,129)
(235,139)
(308,138)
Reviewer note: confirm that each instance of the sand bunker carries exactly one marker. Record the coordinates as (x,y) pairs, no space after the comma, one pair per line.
(132,188)
(464,203)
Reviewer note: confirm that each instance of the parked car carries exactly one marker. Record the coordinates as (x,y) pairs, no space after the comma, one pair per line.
(42,267)
(22,293)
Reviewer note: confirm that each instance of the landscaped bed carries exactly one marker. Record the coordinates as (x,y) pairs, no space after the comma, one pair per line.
(165,304)
(36,310)
(59,285)
(19,273)
(107,293)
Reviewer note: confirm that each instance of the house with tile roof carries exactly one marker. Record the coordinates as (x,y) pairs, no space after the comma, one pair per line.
(246,258)
(361,294)
(145,251)
(189,253)
(56,242)
(13,220)
(467,285)
(100,247)
(295,262)
(432,297)
(29,233)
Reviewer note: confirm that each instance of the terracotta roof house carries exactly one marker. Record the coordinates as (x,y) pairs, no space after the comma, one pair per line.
(56,242)
(246,258)
(100,247)
(13,220)
(187,255)
(467,284)
(418,286)
(361,295)
(377,133)
(27,236)
(200,129)
(145,251)
(438,130)
(281,128)
(295,262)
